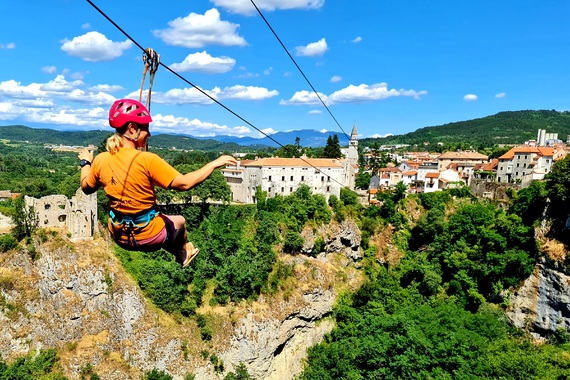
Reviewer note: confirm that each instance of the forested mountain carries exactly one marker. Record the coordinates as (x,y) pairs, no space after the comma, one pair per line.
(84,138)
(511,127)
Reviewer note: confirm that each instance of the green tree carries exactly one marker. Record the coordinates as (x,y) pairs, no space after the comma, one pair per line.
(362,180)
(378,159)
(332,148)
(239,374)
(24,218)
(156,374)
(288,151)
(348,197)
(557,185)
(530,203)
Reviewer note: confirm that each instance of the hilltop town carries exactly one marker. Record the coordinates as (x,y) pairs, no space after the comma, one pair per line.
(418,171)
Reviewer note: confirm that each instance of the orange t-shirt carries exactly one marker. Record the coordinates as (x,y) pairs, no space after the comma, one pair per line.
(129,177)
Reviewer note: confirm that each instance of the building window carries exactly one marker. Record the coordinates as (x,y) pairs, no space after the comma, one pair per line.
(290,189)
(270,178)
(291,178)
(322,178)
(269,190)
(282,178)
(302,178)
(282,189)
(328,189)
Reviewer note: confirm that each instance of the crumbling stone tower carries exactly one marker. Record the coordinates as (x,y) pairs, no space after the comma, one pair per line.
(78,214)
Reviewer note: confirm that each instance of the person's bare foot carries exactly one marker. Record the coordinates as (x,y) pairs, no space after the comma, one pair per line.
(189,256)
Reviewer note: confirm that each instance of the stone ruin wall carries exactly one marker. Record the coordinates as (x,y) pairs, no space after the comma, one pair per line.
(492,190)
(78,214)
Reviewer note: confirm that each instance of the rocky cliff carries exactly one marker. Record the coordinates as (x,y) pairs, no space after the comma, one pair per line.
(541,304)
(75,297)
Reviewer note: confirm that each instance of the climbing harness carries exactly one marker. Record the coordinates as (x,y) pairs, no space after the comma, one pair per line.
(132,224)
(151,60)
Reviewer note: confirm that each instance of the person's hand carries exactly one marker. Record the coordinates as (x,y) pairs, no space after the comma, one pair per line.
(86,154)
(225,160)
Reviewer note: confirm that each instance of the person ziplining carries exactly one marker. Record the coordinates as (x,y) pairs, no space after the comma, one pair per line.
(128,173)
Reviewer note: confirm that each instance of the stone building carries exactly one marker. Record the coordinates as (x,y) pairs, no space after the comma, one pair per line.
(78,214)
(283,176)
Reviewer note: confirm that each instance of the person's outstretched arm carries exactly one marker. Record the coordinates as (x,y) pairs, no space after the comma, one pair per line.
(86,154)
(187,181)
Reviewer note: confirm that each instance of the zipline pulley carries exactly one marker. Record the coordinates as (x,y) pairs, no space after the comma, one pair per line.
(151,60)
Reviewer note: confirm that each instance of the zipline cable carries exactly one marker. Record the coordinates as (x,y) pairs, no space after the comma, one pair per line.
(202,91)
(299,68)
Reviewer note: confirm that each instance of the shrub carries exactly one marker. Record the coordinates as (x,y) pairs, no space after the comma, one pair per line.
(7,242)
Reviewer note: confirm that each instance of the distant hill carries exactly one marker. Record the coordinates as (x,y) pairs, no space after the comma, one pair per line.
(308,138)
(511,127)
(84,138)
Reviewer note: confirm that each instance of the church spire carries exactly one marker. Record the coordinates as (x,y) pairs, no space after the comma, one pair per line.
(354,133)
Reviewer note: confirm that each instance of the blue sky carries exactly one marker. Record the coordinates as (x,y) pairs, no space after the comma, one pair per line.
(391,67)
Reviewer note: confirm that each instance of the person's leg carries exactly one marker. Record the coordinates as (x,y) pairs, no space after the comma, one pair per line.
(178,245)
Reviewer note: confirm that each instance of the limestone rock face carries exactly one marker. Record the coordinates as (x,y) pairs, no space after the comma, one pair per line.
(343,238)
(76,297)
(542,303)
(274,348)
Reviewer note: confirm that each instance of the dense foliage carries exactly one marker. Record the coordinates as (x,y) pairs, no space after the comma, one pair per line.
(37,171)
(513,127)
(432,316)
(43,366)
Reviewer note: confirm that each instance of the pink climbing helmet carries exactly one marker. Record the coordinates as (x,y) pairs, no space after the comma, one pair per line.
(125,111)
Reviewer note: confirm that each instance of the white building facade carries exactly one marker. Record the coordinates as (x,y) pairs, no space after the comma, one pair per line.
(283,176)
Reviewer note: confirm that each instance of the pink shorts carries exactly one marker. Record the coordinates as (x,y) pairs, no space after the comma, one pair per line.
(163,239)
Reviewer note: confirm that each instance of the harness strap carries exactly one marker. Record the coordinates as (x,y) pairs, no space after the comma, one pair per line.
(132,224)
(151,60)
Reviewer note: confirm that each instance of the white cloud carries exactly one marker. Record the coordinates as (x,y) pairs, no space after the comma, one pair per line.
(95,47)
(9,45)
(470,97)
(204,63)
(305,98)
(195,127)
(246,8)
(357,40)
(268,131)
(196,31)
(313,49)
(323,131)
(180,96)
(247,93)
(60,84)
(315,112)
(49,69)
(106,88)
(376,135)
(500,95)
(194,96)
(351,94)
(336,79)
(86,26)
